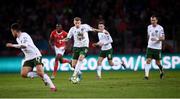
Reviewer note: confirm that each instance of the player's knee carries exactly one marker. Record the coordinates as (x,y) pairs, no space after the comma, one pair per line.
(40,73)
(23,74)
(81,58)
(111,64)
(99,63)
(59,56)
(158,63)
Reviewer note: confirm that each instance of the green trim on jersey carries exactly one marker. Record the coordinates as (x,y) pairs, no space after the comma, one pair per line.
(153,53)
(106,53)
(77,51)
(32,63)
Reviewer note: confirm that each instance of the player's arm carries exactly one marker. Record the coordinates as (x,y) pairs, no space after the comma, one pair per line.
(162,36)
(69,35)
(23,44)
(98,30)
(89,28)
(51,40)
(16,45)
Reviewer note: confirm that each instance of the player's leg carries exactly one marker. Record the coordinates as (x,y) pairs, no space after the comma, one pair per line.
(58,56)
(99,67)
(158,63)
(157,57)
(160,68)
(81,52)
(45,77)
(147,68)
(40,72)
(149,55)
(109,55)
(27,70)
(78,65)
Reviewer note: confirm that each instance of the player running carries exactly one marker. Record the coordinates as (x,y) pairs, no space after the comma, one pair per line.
(56,40)
(105,41)
(155,37)
(33,56)
(81,44)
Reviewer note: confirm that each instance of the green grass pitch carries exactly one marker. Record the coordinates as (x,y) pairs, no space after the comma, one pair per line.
(114,84)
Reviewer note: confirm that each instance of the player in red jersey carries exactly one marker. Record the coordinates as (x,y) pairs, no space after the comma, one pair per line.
(55,41)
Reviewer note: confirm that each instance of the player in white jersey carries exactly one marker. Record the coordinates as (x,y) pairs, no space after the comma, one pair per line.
(155,37)
(81,43)
(105,41)
(32,56)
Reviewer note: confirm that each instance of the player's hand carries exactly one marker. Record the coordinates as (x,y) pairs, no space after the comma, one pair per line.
(9,45)
(100,44)
(94,44)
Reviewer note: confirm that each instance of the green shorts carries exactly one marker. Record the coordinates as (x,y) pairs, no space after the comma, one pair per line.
(33,62)
(106,53)
(79,51)
(153,53)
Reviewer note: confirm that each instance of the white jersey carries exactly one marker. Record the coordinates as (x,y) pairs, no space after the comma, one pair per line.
(155,32)
(80,35)
(31,51)
(106,40)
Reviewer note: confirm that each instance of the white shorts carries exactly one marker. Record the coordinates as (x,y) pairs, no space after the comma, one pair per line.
(60,50)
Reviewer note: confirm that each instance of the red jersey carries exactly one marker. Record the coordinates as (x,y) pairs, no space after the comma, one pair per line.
(57,38)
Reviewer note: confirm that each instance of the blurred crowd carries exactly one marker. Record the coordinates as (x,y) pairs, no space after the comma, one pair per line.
(126,20)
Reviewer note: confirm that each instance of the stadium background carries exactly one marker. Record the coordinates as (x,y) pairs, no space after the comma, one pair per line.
(126,20)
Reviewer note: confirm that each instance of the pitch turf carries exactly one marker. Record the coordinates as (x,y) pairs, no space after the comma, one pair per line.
(113,84)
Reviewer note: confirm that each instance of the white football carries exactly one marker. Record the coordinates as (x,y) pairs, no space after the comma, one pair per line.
(75,80)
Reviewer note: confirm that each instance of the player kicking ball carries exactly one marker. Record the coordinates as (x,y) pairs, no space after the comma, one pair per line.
(56,41)
(33,56)
(155,37)
(81,44)
(105,41)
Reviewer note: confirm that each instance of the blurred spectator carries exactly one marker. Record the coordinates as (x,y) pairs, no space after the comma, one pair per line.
(126,20)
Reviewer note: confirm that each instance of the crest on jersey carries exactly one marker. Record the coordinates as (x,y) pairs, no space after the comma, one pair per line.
(156,31)
(82,29)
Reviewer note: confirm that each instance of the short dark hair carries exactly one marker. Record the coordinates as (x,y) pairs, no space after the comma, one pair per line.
(77,19)
(101,22)
(154,16)
(16,26)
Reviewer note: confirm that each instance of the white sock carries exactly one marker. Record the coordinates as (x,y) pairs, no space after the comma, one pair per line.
(48,80)
(99,68)
(147,68)
(32,74)
(77,68)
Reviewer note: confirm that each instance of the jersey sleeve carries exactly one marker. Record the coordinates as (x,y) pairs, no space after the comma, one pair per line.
(161,32)
(88,28)
(70,33)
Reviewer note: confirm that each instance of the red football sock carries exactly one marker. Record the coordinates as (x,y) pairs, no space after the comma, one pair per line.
(55,67)
(64,60)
